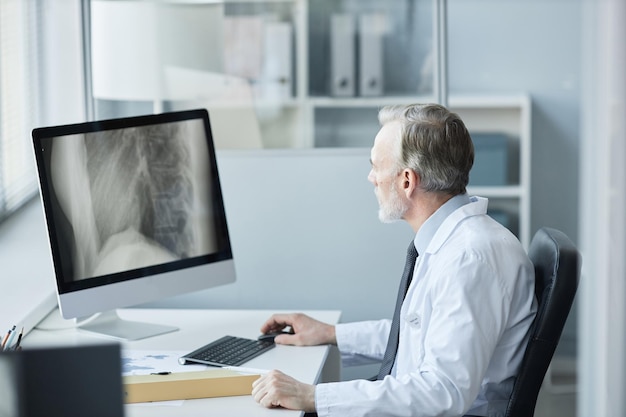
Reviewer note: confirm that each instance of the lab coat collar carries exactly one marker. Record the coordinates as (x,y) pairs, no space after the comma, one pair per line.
(438,227)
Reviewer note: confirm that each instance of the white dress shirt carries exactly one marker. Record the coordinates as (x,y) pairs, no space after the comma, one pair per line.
(463,325)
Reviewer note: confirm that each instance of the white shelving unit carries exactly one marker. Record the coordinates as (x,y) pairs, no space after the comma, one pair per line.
(512,117)
(352,123)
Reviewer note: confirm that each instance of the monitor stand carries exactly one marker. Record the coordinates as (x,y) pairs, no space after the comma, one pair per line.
(110,324)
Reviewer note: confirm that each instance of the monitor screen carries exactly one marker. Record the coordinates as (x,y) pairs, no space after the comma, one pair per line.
(134,210)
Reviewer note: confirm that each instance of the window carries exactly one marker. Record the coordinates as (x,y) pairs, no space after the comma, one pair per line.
(19,109)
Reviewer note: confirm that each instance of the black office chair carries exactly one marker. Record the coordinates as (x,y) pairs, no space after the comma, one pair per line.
(557,271)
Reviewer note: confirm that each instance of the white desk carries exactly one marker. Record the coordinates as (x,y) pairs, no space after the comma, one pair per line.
(197,327)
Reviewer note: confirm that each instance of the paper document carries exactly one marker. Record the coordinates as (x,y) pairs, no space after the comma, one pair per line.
(146,362)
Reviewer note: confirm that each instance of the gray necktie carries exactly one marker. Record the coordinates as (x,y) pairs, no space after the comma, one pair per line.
(394,334)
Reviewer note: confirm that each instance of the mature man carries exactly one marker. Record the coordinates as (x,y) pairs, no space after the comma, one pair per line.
(466,299)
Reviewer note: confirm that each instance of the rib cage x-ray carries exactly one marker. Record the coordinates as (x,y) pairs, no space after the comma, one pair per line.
(134,197)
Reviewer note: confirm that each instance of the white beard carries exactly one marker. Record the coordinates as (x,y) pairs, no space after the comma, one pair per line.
(393,209)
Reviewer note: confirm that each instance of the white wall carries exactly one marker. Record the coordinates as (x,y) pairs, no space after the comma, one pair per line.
(533,46)
(602,363)
(498,46)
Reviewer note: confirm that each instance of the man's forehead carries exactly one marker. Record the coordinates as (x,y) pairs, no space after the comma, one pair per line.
(387,137)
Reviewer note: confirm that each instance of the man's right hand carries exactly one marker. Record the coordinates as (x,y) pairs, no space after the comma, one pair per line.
(306,330)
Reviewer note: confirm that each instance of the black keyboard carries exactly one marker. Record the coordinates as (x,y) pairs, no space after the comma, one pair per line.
(227,351)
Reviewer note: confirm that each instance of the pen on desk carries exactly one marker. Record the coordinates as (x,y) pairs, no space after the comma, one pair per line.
(252,371)
(6,342)
(19,340)
(5,338)
(10,340)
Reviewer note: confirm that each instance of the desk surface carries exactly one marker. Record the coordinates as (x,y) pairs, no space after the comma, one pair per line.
(198,327)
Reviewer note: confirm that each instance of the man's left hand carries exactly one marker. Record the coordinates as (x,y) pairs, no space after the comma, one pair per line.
(276,389)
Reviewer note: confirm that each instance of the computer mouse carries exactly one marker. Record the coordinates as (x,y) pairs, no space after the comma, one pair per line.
(269,337)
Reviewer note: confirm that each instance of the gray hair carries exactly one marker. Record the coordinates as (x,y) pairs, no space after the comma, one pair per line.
(434,143)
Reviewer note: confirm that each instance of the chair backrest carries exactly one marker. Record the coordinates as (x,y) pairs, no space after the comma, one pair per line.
(557,271)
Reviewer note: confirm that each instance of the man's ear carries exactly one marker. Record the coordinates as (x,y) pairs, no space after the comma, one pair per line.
(410,182)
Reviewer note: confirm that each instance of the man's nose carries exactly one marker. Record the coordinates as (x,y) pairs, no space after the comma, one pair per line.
(371,178)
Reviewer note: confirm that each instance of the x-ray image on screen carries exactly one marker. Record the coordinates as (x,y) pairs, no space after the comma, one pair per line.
(131,198)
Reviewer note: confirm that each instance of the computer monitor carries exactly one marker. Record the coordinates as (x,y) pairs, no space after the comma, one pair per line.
(134,213)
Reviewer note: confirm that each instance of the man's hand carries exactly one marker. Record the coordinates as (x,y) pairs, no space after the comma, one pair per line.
(306,331)
(276,389)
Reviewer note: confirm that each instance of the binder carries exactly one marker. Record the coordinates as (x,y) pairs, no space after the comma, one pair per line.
(243,46)
(342,55)
(278,60)
(372,29)
(186,385)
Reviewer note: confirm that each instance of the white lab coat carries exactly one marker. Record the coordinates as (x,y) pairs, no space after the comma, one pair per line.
(463,328)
